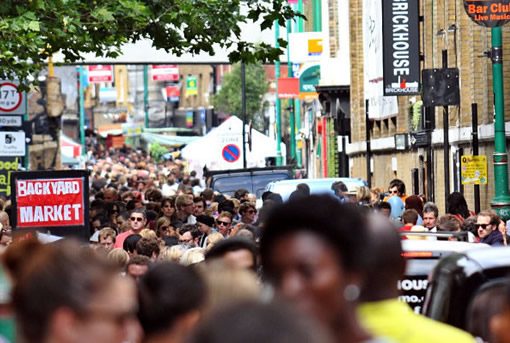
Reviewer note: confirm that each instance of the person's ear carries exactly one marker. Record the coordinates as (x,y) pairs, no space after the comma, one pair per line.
(63,325)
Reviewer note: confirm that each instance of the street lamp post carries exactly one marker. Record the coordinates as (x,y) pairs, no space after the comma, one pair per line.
(501,201)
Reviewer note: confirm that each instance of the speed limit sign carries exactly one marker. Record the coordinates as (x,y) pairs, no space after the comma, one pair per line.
(12,101)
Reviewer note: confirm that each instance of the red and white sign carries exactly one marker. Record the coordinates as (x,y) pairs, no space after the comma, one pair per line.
(50,202)
(100,73)
(173,92)
(288,87)
(165,72)
(10,97)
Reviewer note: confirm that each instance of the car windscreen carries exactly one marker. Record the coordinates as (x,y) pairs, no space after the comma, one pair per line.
(255,183)
(229,184)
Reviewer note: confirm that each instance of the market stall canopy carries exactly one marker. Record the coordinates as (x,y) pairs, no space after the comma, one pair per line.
(168,139)
(221,148)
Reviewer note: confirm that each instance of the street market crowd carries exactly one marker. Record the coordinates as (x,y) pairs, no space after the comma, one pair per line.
(170,260)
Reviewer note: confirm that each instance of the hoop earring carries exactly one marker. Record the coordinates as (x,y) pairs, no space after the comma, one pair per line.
(351,292)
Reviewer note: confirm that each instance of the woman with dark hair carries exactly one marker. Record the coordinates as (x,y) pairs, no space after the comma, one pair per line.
(456,204)
(168,209)
(414,202)
(313,259)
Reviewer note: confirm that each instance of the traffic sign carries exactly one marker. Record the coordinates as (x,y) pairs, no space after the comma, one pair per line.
(231,153)
(11,121)
(12,101)
(12,143)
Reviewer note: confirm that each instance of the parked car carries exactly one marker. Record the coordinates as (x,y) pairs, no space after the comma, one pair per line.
(458,277)
(254,180)
(317,186)
(422,256)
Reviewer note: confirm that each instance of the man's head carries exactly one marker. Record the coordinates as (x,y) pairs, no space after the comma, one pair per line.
(486,222)
(4,220)
(384,208)
(247,212)
(137,220)
(397,187)
(410,217)
(199,206)
(430,214)
(107,238)
(187,240)
(170,297)
(241,194)
(339,188)
(385,265)
(97,302)
(110,195)
(224,223)
(137,266)
(148,247)
(237,252)
(184,204)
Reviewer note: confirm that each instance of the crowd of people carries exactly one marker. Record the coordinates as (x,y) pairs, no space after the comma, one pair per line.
(169,260)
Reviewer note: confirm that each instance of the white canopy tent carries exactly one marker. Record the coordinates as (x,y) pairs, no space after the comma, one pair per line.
(221,148)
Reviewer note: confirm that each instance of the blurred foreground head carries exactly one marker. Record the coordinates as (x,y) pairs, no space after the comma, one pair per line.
(254,322)
(312,252)
(68,293)
(171,297)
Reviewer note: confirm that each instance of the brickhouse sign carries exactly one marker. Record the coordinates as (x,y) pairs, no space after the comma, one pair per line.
(488,13)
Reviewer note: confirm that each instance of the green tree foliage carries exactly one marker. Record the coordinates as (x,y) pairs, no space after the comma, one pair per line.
(157,151)
(228,99)
(32,30)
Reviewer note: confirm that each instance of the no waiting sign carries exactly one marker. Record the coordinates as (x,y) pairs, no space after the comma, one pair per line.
(12,101)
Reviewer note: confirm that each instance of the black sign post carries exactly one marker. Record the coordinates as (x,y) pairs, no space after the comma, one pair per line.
(401,52)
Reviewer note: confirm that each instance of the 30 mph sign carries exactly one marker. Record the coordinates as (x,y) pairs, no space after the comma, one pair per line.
(12,101)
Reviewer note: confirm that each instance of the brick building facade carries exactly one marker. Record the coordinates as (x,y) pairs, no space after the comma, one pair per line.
(445,26)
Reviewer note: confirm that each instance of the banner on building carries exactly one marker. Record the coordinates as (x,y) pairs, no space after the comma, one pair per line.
(401,37)
(191,85)
(165,72)
(379,106)
(55,201)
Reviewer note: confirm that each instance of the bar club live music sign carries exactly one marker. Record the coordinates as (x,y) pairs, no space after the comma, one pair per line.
(401,52)
(488,13)
(55,201)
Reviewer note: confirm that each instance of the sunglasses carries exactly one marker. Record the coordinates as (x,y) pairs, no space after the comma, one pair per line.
(219,222)
(483,226)
(393,192)
(138,219)
(251,211)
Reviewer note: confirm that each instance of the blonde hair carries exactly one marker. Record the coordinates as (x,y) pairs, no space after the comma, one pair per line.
(363,194)
(119,257)
(192,256)
(418,228)
(172,254)
(213,208)
(149,234)
(227,284)
(212,239)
